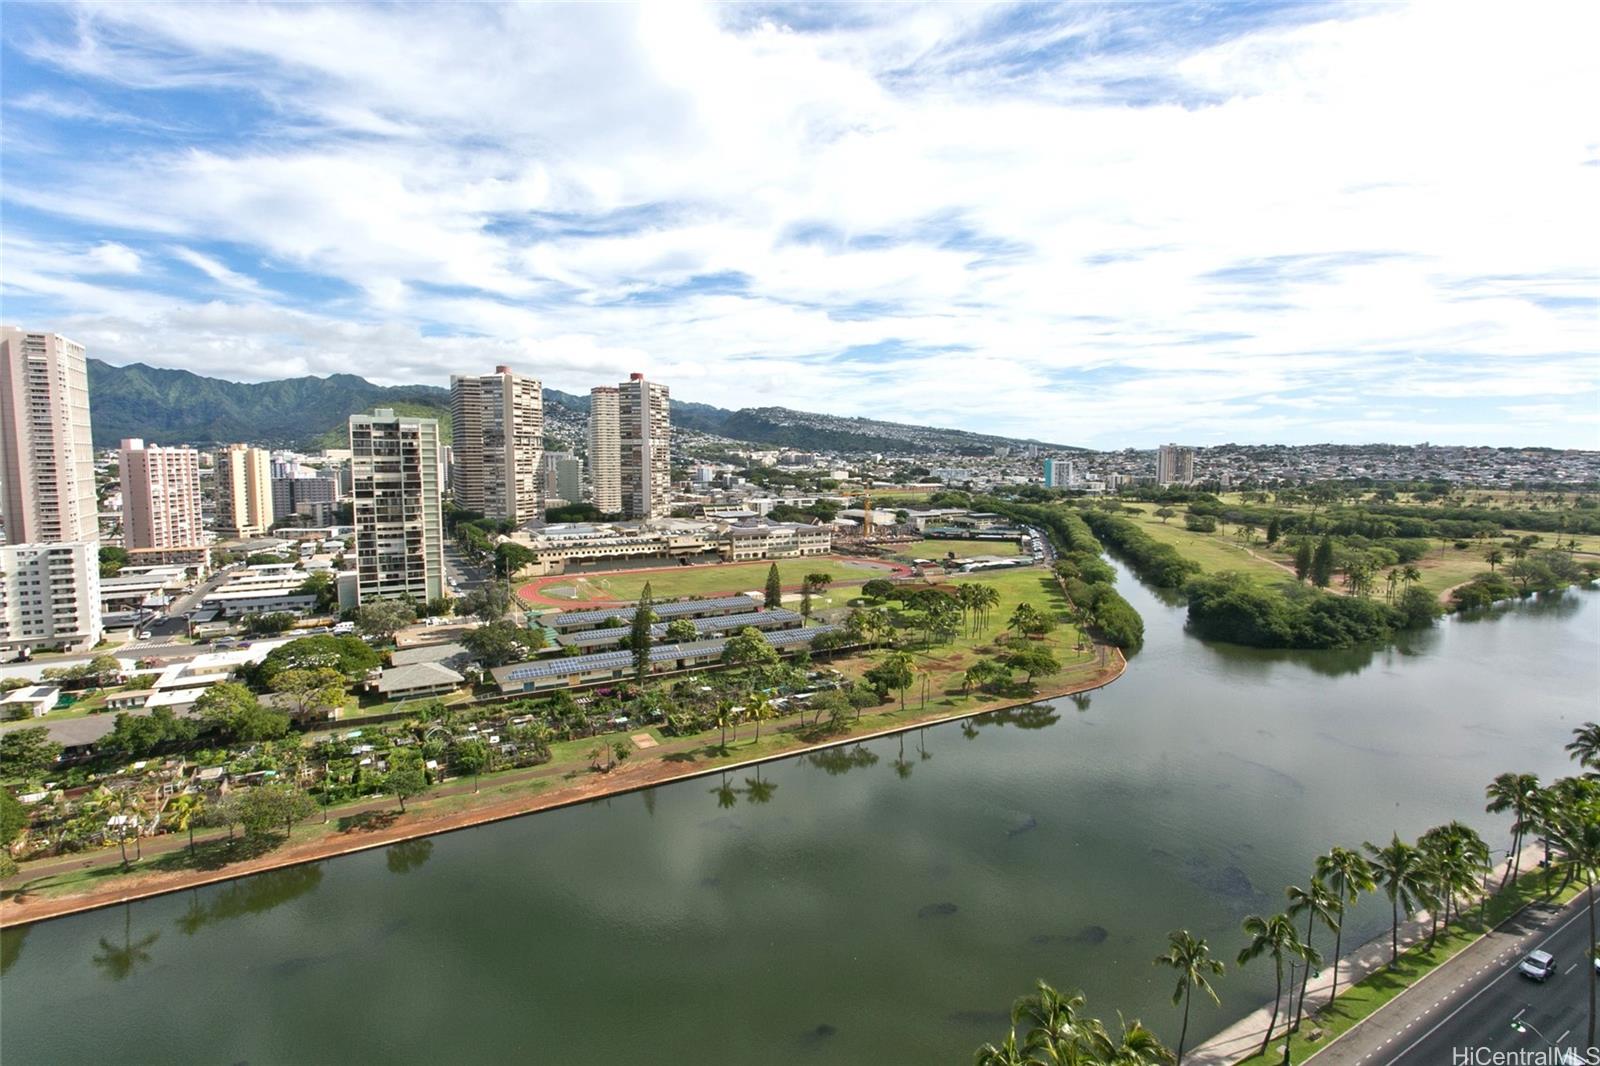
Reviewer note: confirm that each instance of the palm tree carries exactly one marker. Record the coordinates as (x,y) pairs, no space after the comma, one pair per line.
(185,809)
(1576,839)
(1137,1046)
(759,710)
(1585,746)
(1053,1022)
(1191,957)
(1348,875)
(1455,857)
(1318,904)
(1272,936)
(989,600)
(1006,1054)
(1397,867)
(1515,793)
(723,719)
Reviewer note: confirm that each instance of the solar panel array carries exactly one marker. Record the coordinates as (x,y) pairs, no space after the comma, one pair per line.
(673,609)
(723,622)
(618,660)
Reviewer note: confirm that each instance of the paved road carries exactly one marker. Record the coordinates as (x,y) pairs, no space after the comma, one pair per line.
(1474,1002)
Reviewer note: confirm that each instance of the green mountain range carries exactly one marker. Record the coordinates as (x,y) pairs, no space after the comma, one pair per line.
(180,407)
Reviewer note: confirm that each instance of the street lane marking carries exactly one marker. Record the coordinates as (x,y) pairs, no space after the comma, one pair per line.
(1579,913)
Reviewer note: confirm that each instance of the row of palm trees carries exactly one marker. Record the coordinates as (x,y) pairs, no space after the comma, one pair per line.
(1442,871)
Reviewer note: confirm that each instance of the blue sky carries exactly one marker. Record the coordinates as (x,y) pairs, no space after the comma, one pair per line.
(1106,224)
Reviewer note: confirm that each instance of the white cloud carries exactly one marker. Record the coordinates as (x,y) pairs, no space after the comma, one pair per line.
(113,258)
(1324,212)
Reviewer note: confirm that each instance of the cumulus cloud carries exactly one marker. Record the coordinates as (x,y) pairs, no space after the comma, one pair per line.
(1101,225)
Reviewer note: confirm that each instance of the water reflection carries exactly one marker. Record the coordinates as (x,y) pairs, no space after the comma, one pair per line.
(119,962)
(726,794)
(902,765)
(251,895)
(11,945)
(1557,604)
(408,855)
(758,791)
(836,761)
(1031,716)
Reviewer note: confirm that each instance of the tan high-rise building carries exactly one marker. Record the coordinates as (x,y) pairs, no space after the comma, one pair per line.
(244,491)
(646,439)
(605,450)
(160,496)
(1174,465)
(46,454)
(396,483)
(498,428)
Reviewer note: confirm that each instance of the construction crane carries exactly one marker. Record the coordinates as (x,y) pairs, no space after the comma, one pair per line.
(868,530)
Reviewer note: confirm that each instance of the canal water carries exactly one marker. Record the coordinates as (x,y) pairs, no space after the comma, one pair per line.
(870,905)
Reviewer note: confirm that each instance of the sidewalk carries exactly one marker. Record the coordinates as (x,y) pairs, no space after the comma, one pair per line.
(1243,1038)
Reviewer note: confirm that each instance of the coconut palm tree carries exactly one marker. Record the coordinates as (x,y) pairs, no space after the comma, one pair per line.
(1575,838)
(1515,793)
(184,810)
(1318,904)
(989,601)
(1275,937)
(724,717)
(1005,1054)
(1137,1046)
(1053,1025)
(1397,868)
(1191,957)
(759,710)
(1347,875)
(1585,747)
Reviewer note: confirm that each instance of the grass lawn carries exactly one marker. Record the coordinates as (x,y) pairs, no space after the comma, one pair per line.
(938,549)
(945,664)
(1367,996)
(1442,568)
(721,578)
(1215,552)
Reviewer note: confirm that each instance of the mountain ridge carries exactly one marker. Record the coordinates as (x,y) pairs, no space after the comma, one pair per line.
(181,407)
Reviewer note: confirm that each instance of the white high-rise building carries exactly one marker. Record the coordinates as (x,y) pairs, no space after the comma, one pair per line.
(50,595)
(498,427)
(605,449)
(160,496)
(1174,465)
(46,452)
(1060,474)
(645,423)
(563,477)
(399,532)
(244,491)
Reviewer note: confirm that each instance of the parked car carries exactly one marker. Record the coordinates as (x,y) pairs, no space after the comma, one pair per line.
(1539,965)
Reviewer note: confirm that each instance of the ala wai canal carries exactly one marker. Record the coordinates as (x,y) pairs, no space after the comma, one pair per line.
(878,904)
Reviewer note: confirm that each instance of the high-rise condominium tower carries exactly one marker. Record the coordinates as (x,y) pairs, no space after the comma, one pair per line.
(160,496)
(46,455)
(244,491)
(1174,465)
(398,516)
(646,438)
(498,426)
(50,595)
(605,449)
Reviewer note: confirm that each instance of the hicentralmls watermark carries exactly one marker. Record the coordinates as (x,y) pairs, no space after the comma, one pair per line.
(1538,1056)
